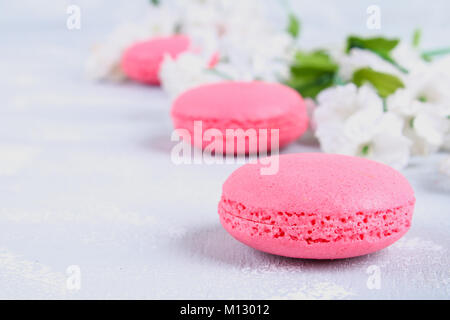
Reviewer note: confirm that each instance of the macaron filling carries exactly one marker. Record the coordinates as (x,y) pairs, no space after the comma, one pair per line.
(315,228)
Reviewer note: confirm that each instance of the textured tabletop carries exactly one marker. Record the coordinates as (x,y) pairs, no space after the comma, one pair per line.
(88,189)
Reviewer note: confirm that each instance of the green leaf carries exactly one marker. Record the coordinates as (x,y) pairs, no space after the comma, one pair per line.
(417,36)
(380,46)
(422,98)
(311,87)
(365,150)
(312,72)
(316,60)
(155,2)
(293,27)
(385,83)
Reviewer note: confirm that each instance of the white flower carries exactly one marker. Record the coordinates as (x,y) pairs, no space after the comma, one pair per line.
(351,120)
(188,70)
(104,61)
(248,44)
(442,68)
(254,56)
(409,58)
(341,102)
(388,145)
(424,104)
(427,130)
(251,47)
(442,65)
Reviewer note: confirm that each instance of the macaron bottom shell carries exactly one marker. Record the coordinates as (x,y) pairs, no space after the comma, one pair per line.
(266,138)
(147,74)
(311,236)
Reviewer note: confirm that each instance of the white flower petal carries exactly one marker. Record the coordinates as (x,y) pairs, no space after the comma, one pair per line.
(361,126)
(333,140)
(428,132)
(392,150)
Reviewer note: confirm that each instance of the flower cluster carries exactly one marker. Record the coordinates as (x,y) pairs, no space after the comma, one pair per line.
(377,98)
(351,120)
(230,40)
(237,41)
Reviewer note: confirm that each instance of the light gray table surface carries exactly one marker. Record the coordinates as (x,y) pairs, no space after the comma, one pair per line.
(86,180)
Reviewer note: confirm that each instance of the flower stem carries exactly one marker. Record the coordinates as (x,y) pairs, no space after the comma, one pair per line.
(385,107)
(337,80)
(428,55)
(219,73)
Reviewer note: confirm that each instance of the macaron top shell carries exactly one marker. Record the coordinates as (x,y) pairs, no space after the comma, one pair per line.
(320,184)
(238,101)
(156,48)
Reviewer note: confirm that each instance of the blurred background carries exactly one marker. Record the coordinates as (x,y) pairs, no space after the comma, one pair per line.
(86,181)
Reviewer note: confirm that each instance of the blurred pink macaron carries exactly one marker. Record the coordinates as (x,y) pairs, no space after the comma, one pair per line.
(317,206)
(272,112)
(141,62)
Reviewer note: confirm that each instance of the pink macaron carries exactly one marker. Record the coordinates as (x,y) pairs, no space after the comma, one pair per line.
(317,206)
(262,114)
(142,61)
